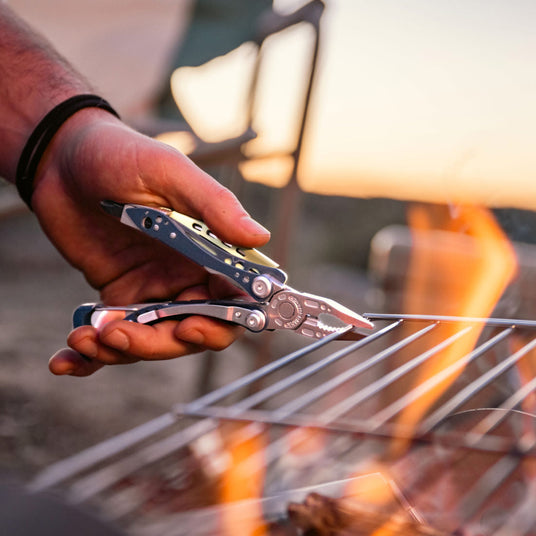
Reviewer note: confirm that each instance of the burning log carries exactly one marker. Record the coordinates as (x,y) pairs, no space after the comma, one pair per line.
(319,515)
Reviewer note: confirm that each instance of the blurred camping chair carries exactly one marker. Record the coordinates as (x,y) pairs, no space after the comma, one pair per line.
(241,145)
(243,150)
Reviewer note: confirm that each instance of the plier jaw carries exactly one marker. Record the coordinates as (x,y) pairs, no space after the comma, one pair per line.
(273,306)
(308,314)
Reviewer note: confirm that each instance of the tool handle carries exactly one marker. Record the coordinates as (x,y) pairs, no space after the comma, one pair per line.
(193,239)
(245,314)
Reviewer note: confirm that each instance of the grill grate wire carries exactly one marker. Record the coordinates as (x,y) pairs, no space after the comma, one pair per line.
(301,390)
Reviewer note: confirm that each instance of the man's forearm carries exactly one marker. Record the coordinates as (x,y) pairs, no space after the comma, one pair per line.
(33,79)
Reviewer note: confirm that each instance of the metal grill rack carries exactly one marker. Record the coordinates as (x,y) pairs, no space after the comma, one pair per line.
(445,406)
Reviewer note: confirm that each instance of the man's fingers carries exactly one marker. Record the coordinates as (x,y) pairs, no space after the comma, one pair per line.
(217,206)
(211,334)
(122,342)
(168,339)
(229,220)
(67,361)
(144,341)
(85,340)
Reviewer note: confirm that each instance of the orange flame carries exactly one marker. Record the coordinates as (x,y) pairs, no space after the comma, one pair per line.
(373,487)
(461,264)
(242,484)
(377,492)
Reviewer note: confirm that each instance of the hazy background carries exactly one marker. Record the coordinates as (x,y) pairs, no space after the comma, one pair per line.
(418,100)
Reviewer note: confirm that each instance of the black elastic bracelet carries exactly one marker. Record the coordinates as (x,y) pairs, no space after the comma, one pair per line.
(42,135)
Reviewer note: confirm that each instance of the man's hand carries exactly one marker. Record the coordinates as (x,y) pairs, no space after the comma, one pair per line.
(96,157)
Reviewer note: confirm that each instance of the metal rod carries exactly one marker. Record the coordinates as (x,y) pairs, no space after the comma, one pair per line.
(487,485)
(291,380)
(462,396)
(315,394)
(60,471)
(431,383)
(364,428)
(106,477)
(252,377)
(66,469)
(379,385)
(492,322)
(504,410)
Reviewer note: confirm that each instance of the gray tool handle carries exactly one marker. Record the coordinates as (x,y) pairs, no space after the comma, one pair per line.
(199,244)
(248,315)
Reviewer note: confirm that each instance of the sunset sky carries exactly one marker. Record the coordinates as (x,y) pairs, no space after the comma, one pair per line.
(418,99)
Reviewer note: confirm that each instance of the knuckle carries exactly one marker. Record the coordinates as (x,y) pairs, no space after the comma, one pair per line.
(222,341)
(224,198)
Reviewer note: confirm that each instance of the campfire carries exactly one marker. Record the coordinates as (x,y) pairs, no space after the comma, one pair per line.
(426,426)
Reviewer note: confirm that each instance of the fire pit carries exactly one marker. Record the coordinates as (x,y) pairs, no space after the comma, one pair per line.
(425,426)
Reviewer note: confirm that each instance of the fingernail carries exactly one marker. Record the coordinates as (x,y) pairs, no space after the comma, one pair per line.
(67,369)
(88,347)
(71,371)
(116,339)
(254,227)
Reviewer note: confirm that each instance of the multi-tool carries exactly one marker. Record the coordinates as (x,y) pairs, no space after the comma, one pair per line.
(271,304)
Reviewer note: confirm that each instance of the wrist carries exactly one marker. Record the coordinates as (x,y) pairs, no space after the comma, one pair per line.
(35,78)
(60,174)
(17,130)
(42,137)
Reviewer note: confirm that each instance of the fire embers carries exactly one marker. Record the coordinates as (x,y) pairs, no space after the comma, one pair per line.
(318,515)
